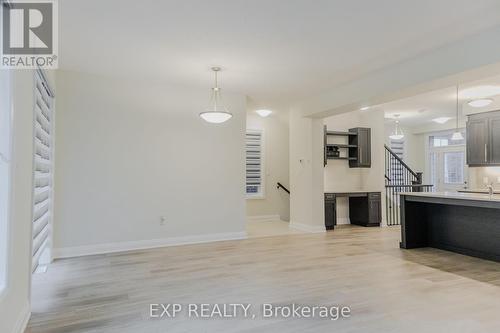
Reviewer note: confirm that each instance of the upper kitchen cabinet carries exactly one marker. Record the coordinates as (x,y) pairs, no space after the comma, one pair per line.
(494,144)
(483,139)
(477,141)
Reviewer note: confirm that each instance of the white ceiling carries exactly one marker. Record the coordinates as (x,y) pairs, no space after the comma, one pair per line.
(273,51)
(419,110)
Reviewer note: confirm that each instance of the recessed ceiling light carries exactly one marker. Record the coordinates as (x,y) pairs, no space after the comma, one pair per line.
(441,120)
(364,108)
(480,92)
(264,113)
(479,103)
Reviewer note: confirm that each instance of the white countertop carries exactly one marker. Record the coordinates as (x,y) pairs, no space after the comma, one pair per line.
(482,190)
(455,195)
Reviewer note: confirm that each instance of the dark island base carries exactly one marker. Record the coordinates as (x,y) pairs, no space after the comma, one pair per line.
(453,225)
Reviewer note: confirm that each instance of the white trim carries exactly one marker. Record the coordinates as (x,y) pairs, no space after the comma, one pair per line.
(85,250)
(256,196)
(5,248)
(263,218)
(307,227)
(343,220)
(23,319)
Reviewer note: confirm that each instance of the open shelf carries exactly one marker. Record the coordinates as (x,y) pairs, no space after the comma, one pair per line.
(356,148)
(340,145)
(340,133)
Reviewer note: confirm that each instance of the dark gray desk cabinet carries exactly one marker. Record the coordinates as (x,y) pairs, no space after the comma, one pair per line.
(365,208)
(483,139)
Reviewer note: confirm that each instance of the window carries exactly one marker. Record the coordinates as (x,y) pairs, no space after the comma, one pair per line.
(444,140)
(5,146)
(254,164)
(454,167)
(447,168)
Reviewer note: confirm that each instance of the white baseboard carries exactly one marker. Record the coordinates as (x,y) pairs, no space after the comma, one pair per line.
(23,319)
(263,218)
(78,251)
(343,220)
(307,228)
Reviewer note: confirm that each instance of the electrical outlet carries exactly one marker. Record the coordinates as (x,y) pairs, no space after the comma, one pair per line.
(163,220)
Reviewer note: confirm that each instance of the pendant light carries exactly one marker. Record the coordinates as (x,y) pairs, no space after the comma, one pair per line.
(397,134)
(216,113)
(457,135)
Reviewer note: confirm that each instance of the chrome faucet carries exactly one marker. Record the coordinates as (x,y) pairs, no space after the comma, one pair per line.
(490,189)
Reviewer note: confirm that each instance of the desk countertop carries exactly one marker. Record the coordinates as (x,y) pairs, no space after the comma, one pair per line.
(352,191)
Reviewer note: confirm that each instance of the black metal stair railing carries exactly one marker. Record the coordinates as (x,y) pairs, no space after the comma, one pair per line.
(399,177)
(279,185)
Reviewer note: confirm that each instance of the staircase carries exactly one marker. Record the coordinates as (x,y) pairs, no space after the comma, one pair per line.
(399,177)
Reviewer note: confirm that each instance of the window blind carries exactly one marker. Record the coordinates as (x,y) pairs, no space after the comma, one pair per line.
(397,146)
(254,163)
(43,167)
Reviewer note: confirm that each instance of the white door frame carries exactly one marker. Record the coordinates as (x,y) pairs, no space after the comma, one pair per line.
(440,185)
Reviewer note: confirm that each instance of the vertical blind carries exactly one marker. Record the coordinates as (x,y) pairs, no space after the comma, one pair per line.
(253,163)
(43,167)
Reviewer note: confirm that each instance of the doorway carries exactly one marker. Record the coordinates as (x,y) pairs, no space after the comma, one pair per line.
(447,162)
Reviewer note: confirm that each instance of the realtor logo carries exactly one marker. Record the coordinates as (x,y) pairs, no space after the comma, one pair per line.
(29,34)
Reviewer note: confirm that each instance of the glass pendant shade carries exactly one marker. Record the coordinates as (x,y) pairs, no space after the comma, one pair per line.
(215,117)
(457,136)
(216,113)
(397,134)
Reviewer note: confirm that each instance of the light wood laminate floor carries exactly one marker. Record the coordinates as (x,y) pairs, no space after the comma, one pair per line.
(388,289)
(270,228)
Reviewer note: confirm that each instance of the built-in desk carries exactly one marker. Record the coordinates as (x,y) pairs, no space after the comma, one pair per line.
(365,208)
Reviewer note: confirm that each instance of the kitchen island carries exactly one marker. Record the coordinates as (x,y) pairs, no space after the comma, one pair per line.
(466,223)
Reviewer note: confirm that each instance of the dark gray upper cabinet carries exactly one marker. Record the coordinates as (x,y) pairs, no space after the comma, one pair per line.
(494,144)
(361,152)
(477,142)
(483,139)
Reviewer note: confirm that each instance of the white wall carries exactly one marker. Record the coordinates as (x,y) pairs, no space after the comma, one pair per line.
(477,176)
(306,173)
(130,152)
(15,300)
(276,164)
